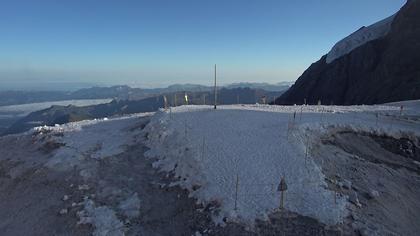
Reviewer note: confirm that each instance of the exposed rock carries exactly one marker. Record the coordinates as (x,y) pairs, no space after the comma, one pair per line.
(382,70)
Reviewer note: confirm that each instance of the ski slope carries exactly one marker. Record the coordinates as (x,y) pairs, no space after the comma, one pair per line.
(237,154)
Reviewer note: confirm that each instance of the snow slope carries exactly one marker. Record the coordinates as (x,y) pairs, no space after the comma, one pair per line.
(98,139)
(360,37)
(252,147)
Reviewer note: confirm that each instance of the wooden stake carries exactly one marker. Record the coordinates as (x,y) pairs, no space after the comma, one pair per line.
(236,191)
(307,149)
(203,149)
(215,87)
(165,100)
(301,111)
(282,200)
(185,123)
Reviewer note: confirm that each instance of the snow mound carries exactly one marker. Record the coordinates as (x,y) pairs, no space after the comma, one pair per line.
(360,37)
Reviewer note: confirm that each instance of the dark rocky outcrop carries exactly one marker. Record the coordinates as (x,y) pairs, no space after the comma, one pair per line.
(382,70)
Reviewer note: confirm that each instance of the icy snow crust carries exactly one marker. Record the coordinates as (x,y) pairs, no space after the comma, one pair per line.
(259,144)
(100,138)
(360,37)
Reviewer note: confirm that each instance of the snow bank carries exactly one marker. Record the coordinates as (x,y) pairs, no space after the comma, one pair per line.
(360,37)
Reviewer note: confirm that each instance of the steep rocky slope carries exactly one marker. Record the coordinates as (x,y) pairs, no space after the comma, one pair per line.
(373,65)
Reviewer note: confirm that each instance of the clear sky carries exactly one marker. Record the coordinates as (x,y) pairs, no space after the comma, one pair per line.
(161,42)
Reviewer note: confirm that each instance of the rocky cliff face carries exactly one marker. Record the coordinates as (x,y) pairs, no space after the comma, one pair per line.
(382,69)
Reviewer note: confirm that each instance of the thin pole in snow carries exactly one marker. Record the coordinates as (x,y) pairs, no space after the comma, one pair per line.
(165,100)
(301,111)
(215,87)
(185,124)
(203,149)
(236,192)
(306,150)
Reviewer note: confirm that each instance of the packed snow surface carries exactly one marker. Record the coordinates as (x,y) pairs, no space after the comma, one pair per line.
(360,37)
(237,154)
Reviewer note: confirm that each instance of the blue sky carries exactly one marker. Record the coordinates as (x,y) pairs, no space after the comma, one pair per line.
(156,42)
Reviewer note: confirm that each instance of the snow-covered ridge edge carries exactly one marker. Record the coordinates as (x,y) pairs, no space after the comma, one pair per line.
(359,38)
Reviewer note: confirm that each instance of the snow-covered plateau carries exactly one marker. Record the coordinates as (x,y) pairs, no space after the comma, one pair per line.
(237,154)
(194,170)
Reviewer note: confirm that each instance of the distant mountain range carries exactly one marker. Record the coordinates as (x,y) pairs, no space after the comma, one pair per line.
(121,92)
(64,114)
(375,64)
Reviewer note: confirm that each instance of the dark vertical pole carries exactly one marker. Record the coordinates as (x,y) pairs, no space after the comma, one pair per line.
(215,87)
(236,192)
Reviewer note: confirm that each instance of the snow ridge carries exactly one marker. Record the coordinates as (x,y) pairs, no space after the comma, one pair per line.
(360,37)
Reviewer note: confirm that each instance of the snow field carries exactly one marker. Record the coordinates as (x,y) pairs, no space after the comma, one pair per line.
(258,144)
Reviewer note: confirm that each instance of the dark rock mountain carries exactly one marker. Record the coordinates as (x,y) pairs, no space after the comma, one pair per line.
(381,70)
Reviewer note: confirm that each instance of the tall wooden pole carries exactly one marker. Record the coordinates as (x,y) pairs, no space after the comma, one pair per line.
(215,87)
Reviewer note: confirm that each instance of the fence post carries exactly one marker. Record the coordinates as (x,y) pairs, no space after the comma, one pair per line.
(236,192)
(165,100)
(301,113)
(306,150)
(185,126)
(203,149)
